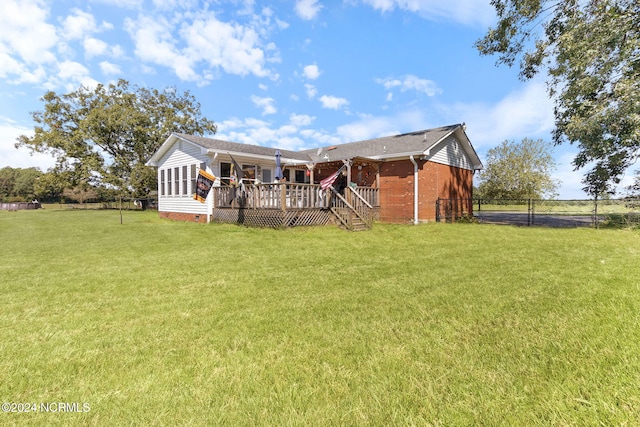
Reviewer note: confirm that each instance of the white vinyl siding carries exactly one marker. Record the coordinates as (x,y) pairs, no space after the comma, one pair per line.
(183,156)
(450,152)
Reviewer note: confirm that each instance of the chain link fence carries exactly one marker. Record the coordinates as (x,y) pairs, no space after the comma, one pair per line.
(550,213)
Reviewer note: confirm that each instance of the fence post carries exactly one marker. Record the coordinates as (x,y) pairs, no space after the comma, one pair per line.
(438,209)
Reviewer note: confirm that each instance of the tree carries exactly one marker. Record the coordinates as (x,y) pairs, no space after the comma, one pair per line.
(591,50)
(102,136)
(518,171)
(25,183)
(80,194)
(7,182)
(633,190)
(18,184)
(50,185)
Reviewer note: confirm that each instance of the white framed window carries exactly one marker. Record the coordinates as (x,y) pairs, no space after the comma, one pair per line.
(194,177)
(176,180)
(185,180)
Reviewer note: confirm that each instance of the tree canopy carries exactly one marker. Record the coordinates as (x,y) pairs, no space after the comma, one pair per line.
(518,171)
(17,184)
(104,135)
(591,50)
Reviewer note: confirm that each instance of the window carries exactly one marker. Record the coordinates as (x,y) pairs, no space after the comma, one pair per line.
(184,181)
(162,182)
(301,176)
(176,180)
(225,172)
(266,175)
(249,172)
(168,182)
(194,177)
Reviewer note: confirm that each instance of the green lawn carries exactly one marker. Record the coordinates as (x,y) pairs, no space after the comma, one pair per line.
(165,323)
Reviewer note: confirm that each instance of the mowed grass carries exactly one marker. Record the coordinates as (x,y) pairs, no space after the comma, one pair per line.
(155,322)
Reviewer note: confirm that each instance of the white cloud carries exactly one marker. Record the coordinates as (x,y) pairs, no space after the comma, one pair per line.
(301,119)
(317,138)
(467,12)
(311,91)
(126,4)
(307,9)
(185,45)
(26,36)
(311,72)
(21,157)
(410,82)
(527,112)
(289,136)
(265,103)
(109,69)
(232,47)
(368,126)
(77,25)
(94,47)
(154,44)
(73,74)
(333,102)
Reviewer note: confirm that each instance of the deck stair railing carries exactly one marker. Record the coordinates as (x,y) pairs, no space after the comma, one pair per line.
(352,210)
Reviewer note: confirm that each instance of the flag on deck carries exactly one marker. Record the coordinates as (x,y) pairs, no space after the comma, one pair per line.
(328,181)
(204,183)
(236,170)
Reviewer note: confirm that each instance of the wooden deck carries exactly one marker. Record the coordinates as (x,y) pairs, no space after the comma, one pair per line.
(288,205)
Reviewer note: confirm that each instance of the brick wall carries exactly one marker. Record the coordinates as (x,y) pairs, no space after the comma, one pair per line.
(178,216)
(434,180)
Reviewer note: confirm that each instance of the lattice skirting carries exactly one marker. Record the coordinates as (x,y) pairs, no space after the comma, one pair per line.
(273,218)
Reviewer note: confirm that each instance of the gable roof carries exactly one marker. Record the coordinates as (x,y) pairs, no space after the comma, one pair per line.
(417,143)
(397,146)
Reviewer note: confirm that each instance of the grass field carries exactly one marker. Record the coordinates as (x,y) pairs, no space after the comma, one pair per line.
(165,323)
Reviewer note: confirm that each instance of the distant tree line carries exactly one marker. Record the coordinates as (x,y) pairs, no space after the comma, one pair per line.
(18,185)
(28,184)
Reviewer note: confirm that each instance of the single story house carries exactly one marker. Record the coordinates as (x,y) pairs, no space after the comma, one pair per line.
(397,179)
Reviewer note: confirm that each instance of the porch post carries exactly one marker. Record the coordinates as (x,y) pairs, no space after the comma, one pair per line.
(311,168)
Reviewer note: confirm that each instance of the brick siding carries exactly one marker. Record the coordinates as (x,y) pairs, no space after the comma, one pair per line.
(179,216)
(435,181)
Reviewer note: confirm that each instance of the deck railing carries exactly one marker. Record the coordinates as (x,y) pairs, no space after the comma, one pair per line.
(282,196)
(360,204)
(370,194)
(352,210)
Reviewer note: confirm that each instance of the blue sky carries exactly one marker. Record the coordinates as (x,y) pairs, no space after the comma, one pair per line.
(286,74)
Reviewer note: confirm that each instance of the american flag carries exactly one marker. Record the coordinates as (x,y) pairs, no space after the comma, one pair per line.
(328,181)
